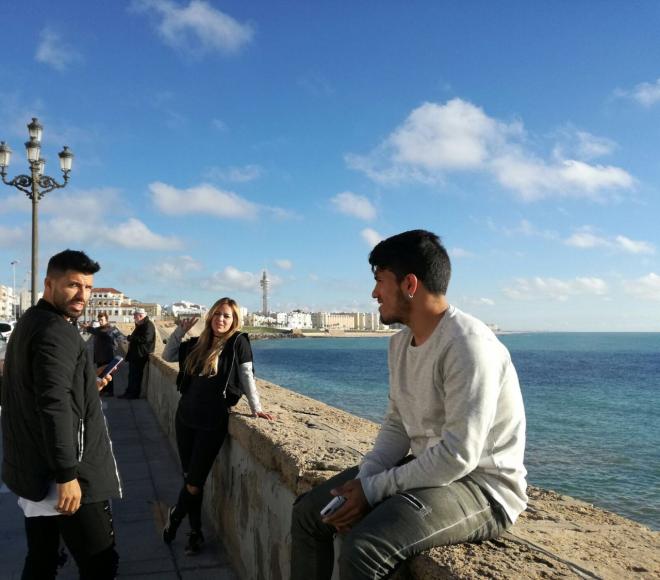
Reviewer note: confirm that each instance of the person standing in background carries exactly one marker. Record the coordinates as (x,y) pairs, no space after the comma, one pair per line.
(141,343)
(106,341)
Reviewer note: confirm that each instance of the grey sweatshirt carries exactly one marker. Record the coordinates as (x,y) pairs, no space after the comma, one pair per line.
(455,402)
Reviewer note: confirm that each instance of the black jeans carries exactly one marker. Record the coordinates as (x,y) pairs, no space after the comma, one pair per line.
(198,449)
(89,536)
(135,372)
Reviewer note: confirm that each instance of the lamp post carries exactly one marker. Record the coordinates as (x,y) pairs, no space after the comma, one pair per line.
(13,288)
(35,185)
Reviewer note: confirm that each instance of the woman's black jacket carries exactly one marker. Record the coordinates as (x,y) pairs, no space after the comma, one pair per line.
(53,426)
(236,352)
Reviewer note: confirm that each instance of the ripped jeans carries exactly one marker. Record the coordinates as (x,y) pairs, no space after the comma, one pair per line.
(394,530)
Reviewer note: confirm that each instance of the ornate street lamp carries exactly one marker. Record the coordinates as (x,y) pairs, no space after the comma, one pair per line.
(35,185)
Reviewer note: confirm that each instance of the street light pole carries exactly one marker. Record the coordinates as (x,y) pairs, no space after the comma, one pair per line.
(13,288)
(35,185)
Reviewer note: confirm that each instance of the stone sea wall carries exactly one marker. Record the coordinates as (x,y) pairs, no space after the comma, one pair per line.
(264,465)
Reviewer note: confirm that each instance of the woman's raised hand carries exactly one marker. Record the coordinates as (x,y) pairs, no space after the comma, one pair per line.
(263,415)
(187,323)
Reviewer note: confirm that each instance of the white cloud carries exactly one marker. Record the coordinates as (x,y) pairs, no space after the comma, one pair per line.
(460,253)
(646,94)
(209,200)
(438,139)
(204,199)
(232,279)
(581,144)
(135,234)
(524,228)
(52,51)
(372,237)
(645,288)
(284,264)
(585,238)
(131,234)
(10,236)
(83,218)
(198,27)
(590,146)
(354,205)
(535,179)
(317,85)
(177,268)
(634,246)
(15,202)
(219,124)
(539,288)
(235,174)
(487,301)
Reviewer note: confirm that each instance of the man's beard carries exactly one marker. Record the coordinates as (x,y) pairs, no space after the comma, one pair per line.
(63,307)
(401,314)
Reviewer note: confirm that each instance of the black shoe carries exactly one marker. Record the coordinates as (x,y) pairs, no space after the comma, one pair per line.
(195,542)
(171,526)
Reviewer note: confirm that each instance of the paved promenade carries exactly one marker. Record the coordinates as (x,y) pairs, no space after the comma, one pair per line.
(151,481)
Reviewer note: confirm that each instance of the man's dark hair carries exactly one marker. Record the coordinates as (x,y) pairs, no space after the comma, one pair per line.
(417,252)
(71,260)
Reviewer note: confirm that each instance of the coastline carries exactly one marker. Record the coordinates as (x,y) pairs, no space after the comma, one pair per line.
(348,334)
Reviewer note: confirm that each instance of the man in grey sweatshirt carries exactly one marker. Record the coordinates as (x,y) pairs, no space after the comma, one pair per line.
(447,465)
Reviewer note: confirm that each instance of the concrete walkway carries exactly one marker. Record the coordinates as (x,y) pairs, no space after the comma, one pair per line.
(151,481)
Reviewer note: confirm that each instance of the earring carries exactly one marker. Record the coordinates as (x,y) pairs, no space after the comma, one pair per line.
(410,296)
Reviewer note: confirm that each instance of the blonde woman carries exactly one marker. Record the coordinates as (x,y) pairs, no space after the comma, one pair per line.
(214,370)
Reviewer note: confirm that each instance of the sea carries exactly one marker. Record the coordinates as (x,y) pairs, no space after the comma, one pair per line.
(592,402)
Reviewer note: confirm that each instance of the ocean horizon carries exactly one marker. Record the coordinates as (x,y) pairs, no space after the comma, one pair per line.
(591,400)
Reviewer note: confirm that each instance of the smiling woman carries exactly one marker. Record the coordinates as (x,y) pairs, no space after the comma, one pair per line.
(214,371)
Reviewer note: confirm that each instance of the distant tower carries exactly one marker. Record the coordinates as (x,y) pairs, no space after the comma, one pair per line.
(265,285)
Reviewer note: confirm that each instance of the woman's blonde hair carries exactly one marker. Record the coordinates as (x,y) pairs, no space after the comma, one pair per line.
(203,358)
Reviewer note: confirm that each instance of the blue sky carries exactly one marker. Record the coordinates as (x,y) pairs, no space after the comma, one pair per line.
(214,139)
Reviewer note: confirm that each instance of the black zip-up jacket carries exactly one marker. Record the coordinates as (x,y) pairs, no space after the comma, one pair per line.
(142,341)
(236,352)
(53,427)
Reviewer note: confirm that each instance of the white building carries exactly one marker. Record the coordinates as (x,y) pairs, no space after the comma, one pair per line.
(116,305)
(294,319)
(367,321)
(184,308)
(6,303)
(254,319)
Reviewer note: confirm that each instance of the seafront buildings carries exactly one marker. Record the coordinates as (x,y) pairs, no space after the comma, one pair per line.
(7,302)
(118,306)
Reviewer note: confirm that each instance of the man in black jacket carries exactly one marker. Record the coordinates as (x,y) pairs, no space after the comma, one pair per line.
(106,341)
(141,344)
(57,452)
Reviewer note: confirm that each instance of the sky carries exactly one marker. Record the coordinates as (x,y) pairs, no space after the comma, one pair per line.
(214,139)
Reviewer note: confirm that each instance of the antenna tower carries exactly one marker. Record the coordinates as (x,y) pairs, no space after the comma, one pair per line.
(265,285)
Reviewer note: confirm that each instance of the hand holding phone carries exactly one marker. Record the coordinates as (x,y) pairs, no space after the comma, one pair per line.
(111,367)
(333,506)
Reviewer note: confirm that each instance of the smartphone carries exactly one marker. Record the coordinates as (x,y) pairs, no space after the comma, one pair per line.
(112,366)
(333,506)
